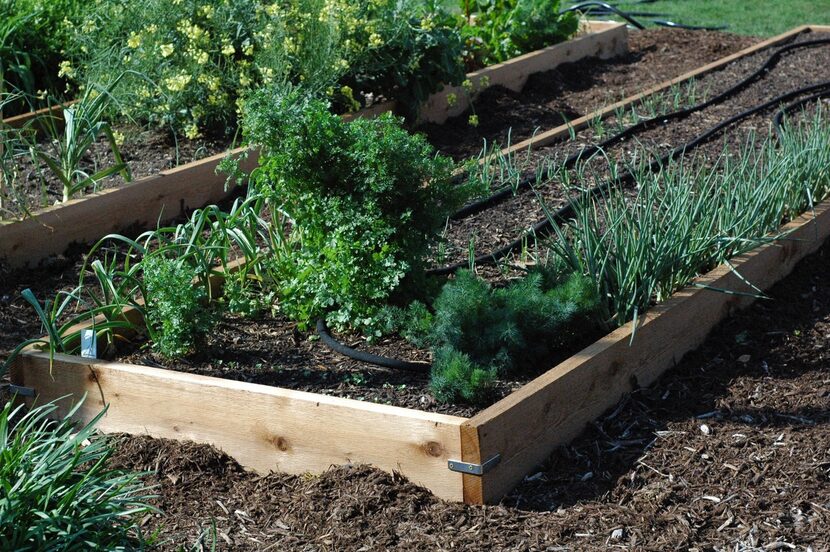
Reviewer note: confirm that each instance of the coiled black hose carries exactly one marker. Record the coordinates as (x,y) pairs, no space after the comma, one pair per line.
(608,8)
(673,25)
(602,9)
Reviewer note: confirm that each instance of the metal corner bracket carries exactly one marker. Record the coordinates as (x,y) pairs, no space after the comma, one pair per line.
(474,469)
(21,391)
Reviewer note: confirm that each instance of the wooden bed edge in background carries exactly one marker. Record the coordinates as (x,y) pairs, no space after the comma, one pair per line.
(547,137)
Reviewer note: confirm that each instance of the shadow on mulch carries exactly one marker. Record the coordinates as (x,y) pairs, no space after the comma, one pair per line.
(731,384)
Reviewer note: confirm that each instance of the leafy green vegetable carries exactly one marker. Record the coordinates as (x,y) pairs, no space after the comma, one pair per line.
(366,200)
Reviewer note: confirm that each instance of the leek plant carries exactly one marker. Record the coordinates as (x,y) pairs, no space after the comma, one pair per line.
(688,217)
(82,126)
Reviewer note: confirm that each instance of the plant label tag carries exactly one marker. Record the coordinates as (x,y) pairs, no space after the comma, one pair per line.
(89,344)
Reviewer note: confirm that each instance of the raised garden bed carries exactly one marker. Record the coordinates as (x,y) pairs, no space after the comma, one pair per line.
(292,431)
(171,193)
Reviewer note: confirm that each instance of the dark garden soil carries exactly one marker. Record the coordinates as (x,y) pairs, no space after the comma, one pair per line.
(146,152)
(730,450)
(574,89)
(503,223)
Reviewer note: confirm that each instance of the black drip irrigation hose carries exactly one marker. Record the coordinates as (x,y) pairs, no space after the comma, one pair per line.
(505,192)
(673,25)
(559,216)
(508,191)
(777,121)
(368,358)
(604,9)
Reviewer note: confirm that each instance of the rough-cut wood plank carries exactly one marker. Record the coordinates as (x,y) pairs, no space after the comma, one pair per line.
(554,134)
(143,203)
(605,40)
(18,121)
(555,407)
(264,428)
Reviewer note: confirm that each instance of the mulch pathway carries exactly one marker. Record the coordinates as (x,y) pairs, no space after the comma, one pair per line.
(730,450)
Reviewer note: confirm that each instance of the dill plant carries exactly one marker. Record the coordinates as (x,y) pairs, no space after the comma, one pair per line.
(480,333)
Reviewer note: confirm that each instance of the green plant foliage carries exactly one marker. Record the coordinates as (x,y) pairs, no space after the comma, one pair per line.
(691,216)
(505,330)
(366,200)
(414,323)
(82,126)
(176,308)
(497,30)
(246,298)
(406,51)
(187,58)
(192,59)
(56,490)
(456,378)
(33,35)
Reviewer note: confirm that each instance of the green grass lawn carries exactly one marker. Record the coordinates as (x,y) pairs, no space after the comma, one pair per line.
(751,17)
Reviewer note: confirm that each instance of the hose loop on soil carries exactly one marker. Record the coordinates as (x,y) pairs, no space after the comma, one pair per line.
(504,193)
(368,358)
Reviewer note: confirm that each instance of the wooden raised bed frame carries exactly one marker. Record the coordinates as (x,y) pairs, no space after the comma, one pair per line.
(165,196)
(267,428)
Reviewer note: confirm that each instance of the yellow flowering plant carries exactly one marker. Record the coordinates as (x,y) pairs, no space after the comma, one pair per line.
(189,59)
(192,60)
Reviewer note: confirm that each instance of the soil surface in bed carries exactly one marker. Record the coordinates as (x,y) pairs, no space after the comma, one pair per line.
(730,450)
(572,90)
(146,152)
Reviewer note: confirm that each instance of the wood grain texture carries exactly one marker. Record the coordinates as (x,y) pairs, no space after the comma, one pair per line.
(550,411)
(264,428)
(18,121)
(604,40)
(544,138)
(140,204)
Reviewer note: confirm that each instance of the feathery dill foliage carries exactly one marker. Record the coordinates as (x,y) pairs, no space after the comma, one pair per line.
(176,309)
(480,332)
(56,490)
(366,200)
(688,217)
